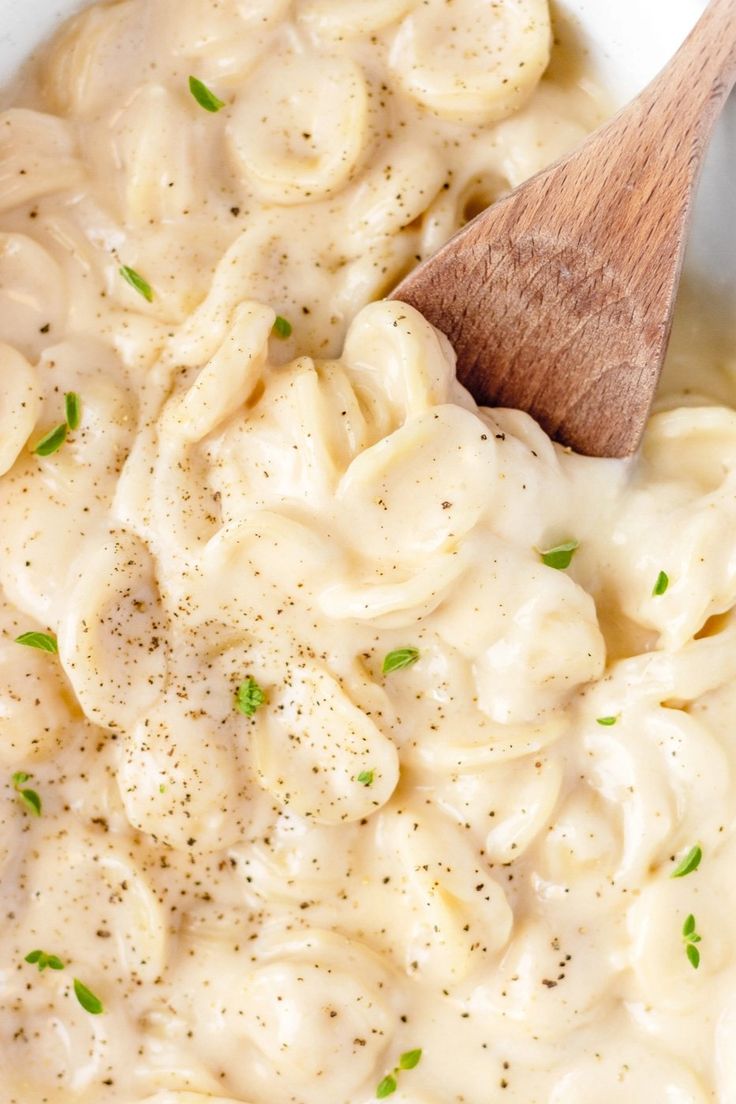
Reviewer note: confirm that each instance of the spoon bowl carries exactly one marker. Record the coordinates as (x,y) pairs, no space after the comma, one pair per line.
(559,298)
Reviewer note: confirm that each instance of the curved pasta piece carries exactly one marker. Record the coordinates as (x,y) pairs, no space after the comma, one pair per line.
(458,914)
(684,527)
(552,647)
(273,261)
(78,1049)
(38,155)
(395,357)
(625,772)
(293,445)
(228,39)
(112,636)
(298,859)
(698,440)
(289,560)
(339,18)
(471,60)
(308,1049)
(33,301)
(299,127)
(296,1042)
(34,557)
(699,667)
(583,843)
(422,489)
(179,773)
(103,889)
(523,813)
(371,275)
(156,156)
(627,1072)
(491,743)
(547,129)
(311,745)
(77,77)
(406,599)
(20,404)
(229,378)
(552,980)
(663,974)
(394,193)
(36,707)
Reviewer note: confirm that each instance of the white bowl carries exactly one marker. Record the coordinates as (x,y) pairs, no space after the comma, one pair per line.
(628,40)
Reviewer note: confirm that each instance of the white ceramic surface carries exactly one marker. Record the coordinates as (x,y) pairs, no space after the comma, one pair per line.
(629,41)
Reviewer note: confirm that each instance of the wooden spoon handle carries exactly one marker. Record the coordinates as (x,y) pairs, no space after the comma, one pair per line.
(696,82)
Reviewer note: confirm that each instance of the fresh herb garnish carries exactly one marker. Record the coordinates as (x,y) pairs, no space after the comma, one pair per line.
(56,437)
(52,441)
(606,721)
(30,798)
(663,581)
(560,556)
(42,960)
(691,937)
(89,1002)
(204,96)
(386,1087)
(73,407)
(136,281)
(282,327)
(399,659)
(366,777)
(689,864)
(43,641)
(409,1060)
(249,697)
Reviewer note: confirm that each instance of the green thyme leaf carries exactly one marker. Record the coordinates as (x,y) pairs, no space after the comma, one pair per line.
(410,1059)
(73,406)
(43,641)
(606,721)
(42,960)
(693,955)
(663,581)
(689,863)
(560,556)
(386,1087)
(691,937)
(89,1002)
(366,777)
(400,658)
(31,800)
(282,327)
(249,697)
(136,281)
(52,441)
(204,96)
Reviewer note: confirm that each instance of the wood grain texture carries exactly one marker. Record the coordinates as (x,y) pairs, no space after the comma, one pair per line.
(558,299)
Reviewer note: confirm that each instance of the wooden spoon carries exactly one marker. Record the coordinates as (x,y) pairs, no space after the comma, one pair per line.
(558,299)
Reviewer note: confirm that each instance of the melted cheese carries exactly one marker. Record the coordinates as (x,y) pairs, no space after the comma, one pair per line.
(455,856)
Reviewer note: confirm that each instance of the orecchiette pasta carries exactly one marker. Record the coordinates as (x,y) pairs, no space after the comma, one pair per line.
(329,776)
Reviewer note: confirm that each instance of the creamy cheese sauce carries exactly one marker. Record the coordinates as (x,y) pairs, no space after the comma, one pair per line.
(278,870)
